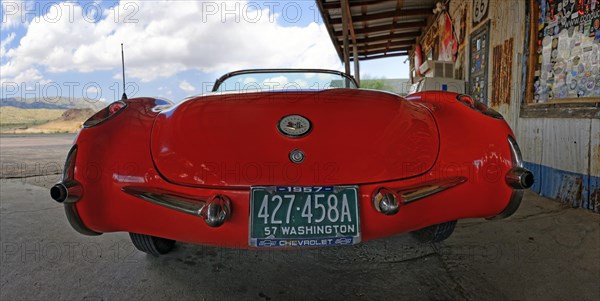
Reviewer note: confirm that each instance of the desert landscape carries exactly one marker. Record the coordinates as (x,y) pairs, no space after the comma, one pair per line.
(34,116)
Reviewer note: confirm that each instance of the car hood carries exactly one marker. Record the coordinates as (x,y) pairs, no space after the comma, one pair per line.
(233,140)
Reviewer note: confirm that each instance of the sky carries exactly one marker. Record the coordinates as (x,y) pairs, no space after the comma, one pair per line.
(173,49)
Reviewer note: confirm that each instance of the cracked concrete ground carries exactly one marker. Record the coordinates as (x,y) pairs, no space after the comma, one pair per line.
(543,252)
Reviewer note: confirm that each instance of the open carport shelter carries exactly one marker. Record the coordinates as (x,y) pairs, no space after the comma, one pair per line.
(535,61)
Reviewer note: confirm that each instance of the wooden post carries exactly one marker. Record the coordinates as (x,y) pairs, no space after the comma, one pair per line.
(345,20)
(533,55)
(356,64)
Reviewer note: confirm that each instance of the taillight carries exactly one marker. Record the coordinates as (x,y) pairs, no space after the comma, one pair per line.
(478,106)
(467,100)
(105,114)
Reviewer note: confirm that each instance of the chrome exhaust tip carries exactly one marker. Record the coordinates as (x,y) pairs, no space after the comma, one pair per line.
(58,192)
(216,211)
(520,178)
(66,192)
(386,201)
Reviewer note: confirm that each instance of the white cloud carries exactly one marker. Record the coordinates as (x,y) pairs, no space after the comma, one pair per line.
(29,76)
(276,82)
(165,38)
(187,87)
(5,42)
(92,90)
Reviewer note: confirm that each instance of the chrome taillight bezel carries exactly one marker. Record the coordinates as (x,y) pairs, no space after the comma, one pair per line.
(515,152)
(97,118)
(479,106)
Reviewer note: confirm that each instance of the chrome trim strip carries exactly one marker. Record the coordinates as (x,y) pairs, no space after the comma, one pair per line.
(429,188)
(389,201)
(214,210)
(181,203)
(515,152)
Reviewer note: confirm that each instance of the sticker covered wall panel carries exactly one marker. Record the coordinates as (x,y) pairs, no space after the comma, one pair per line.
(568,50)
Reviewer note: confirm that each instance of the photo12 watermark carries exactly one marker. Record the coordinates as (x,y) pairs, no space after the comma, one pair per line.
(52,12)
(53,92)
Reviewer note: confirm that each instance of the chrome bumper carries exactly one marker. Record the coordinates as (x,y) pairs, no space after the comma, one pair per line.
(518,178)
(68,192)
(214,210)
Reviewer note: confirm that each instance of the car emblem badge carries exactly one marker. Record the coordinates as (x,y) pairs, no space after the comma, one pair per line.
(294,126)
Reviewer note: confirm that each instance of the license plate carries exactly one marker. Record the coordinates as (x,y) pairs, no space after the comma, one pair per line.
(304,216)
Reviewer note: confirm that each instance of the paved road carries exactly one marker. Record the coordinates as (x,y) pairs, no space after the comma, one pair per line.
(544,252)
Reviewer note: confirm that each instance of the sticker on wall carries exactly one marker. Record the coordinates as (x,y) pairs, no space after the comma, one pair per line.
(573,84)
(591,84)
(480,11)
(586,28)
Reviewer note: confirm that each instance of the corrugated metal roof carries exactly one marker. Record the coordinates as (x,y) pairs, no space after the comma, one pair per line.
(381,28)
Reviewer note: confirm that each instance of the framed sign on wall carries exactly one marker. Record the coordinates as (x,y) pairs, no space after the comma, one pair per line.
(479,58)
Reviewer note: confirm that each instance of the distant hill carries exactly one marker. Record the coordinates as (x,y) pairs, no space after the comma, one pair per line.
(19,121)
(17,116)
(62,103)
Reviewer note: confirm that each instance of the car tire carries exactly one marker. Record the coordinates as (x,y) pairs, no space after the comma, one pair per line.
(151,244)
(435,233)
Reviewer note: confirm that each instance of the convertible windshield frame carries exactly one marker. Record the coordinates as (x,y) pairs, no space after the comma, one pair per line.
(349,79)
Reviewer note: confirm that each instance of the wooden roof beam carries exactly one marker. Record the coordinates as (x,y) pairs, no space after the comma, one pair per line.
(369,49)
(386,28)
(383,51)
(386,15)
(329,27)
(366,58)
(337,4)
(397,36)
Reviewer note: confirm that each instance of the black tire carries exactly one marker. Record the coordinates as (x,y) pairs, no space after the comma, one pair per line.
(151,244)
(435,233)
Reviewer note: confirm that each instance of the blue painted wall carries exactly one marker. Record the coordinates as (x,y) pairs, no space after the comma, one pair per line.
(577,190)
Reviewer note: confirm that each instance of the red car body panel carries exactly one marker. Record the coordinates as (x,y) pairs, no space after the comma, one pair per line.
(357,137)
(366,138)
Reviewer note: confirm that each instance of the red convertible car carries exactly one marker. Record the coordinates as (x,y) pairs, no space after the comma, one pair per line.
(289,158)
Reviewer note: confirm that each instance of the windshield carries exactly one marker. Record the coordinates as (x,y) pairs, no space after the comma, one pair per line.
(283,79)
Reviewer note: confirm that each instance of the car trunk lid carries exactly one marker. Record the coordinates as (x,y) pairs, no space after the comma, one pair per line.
(233,140)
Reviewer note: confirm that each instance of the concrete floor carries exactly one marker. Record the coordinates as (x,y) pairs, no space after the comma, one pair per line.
(543,252)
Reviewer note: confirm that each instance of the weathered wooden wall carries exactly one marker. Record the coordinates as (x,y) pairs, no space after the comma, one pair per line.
(564,155)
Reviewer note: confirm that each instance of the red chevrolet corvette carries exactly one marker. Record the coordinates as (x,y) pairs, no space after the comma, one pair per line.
(290,158)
